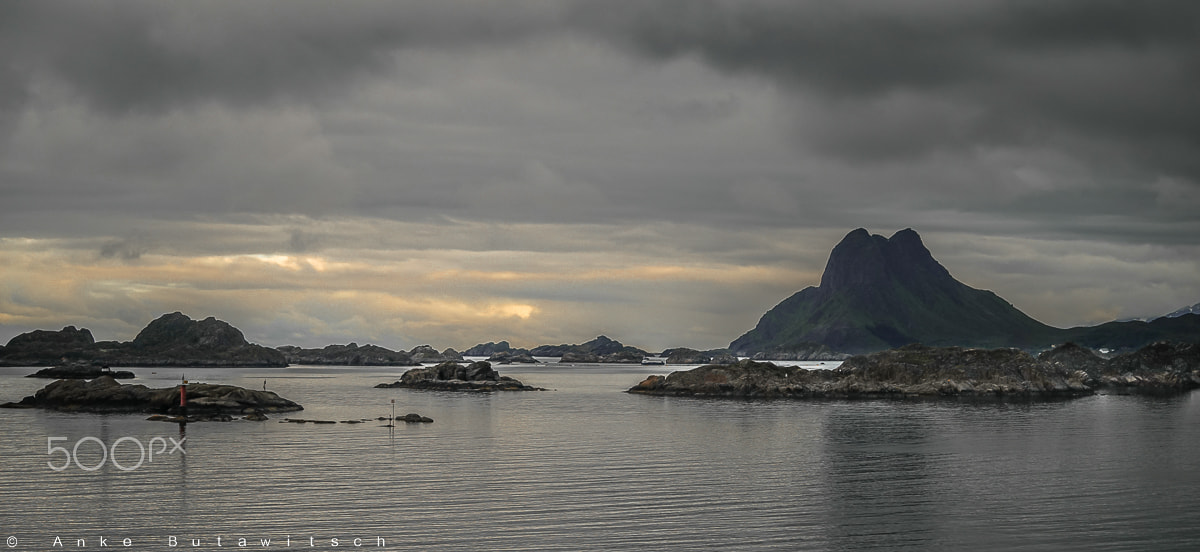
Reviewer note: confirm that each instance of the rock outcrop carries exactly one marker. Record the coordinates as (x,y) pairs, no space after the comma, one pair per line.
(683,355)
(80,371)
(1163,367)
(513,356)
(452,376)
(34,348)
(347,355)
(411,418)
(799,352)
(424,354)
(487,349)
(599,350)
(919,371)
(170,340)
(177,340)
(105,395)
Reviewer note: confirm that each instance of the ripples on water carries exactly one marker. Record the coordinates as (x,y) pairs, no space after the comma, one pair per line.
(587,467)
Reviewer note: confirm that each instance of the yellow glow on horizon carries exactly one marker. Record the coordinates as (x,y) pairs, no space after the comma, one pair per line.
(524,312)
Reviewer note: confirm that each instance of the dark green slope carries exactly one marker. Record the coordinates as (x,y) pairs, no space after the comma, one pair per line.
(878,293)
(1135,334)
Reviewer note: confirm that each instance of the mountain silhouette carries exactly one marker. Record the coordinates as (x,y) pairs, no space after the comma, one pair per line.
(878,293)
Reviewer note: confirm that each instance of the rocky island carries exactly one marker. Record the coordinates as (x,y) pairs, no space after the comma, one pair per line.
(880,293)
(80,370)
(105,395)
(367,355)
(452,376)
(600,350)
(920,371)
(170,340)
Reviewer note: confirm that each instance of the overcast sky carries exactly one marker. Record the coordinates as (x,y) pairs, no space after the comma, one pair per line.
(456,172)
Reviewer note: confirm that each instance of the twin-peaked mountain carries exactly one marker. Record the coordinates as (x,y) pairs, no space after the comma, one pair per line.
(878,293)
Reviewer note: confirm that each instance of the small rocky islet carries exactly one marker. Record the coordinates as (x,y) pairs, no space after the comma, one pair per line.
(920,371)
(452,376)
(80,370)
(105,395)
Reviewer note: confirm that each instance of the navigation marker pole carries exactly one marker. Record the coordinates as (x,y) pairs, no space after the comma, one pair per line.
(183,399)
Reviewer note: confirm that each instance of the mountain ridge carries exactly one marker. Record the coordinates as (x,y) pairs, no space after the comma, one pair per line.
(878,293)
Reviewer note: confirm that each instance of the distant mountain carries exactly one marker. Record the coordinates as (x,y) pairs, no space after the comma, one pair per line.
(601,349)
(170,340)
(1132,335)
(878,293)
(346,355)
(1194,309)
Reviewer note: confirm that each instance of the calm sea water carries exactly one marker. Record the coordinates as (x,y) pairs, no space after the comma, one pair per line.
(587,467)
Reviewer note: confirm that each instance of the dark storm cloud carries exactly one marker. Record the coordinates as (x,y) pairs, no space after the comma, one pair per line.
(1001,72)
(137,56)
(978,73)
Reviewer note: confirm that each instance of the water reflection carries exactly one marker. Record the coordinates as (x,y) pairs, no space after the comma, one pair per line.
(882,476)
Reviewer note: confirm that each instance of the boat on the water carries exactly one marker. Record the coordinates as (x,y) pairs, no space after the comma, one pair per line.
(653,361)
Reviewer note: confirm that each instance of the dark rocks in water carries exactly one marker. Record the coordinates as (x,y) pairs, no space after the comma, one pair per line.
(800,351)
(683,355)
(906,372)
(407,418)
(80,371)
(919,371)
(627,355)
(1163,367)
(104,395)
(414,419)
(451,376)
(347,355)
(1075,357)
(514,356)
(575,357)
(181,419)
(745,379)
